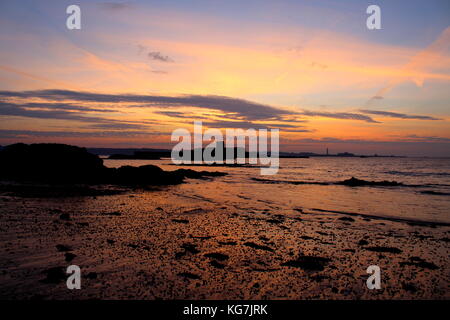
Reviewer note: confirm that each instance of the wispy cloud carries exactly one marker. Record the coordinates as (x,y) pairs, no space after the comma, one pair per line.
(57,106)
(154,55)
(416,68)
(339,115)
(247,125)
(239,107)
(76,134)
(23,110)
(414,137)
(398,115)
(182,115)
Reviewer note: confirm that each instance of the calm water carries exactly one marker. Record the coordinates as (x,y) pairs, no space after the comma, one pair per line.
(421,176)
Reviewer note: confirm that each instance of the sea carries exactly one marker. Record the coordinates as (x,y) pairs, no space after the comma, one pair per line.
(311,184)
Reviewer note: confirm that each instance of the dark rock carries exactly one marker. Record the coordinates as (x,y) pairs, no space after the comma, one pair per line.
(318,278)
(65,216)
(274,221)
(114,213)
(257,246)
(419,262)
(307,238)
(179,255)
(188,173)
(65,164)
(189,247)
(309,263)
(217,256)
(409,287)
(228,243)
(384,249)
(216,264)
(69,256)
(363,242)
(435,193)
(54,275)
(189,275)
(144,175)
(63,248)
(346,219)
(180,221)
(49,163)
(202,237)
(354,182)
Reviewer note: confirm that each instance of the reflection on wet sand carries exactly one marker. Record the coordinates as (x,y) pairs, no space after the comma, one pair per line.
(162,245)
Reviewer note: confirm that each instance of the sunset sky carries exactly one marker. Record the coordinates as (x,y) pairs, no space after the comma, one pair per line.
(137,70)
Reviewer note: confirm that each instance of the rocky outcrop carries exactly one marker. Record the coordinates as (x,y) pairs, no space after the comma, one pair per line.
(64,164)
(354,182)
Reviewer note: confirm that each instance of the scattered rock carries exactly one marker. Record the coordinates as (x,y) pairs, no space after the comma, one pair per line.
(55,275)
(217,256)
(189,247)
(189,275)
(114,213)
(63,248)
(435,193)
(384,249)
(346,219)
(202,237)
(69,256)
(409,287)
(274,221)
(419,262)
(318,278)
(228,243)
(216,264)
(363,242)
(308,263)
(65,217)
(257,246)
(180,221)
(354,182)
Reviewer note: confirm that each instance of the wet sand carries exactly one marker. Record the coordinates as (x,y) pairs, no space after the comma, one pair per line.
(167,245)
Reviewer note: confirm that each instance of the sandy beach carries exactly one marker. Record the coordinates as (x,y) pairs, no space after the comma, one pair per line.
(164,244)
